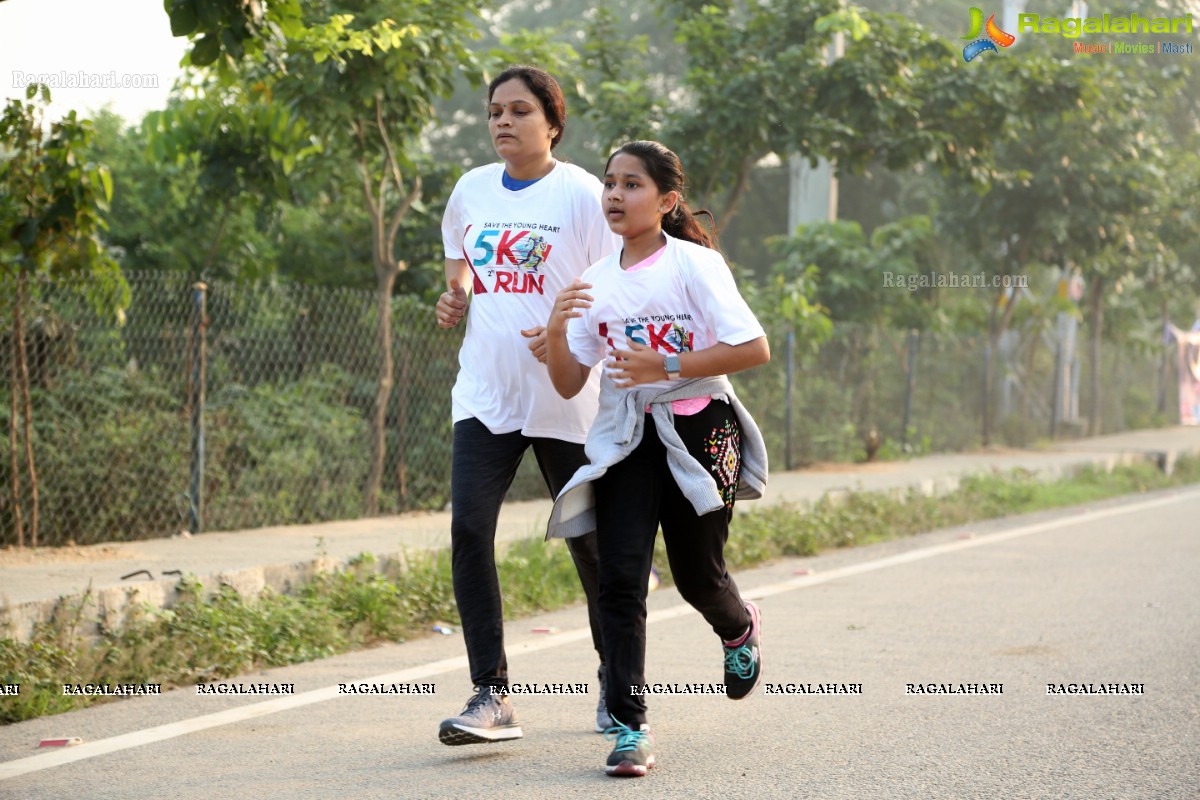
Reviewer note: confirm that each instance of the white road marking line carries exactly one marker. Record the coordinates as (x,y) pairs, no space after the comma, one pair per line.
(962,544)
(24,766)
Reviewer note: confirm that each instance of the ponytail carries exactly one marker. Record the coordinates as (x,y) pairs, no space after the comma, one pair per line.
(682,224)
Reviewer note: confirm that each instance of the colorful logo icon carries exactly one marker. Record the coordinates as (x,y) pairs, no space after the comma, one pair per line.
(995,36)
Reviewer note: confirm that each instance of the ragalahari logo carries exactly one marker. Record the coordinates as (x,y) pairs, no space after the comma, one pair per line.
(978,44)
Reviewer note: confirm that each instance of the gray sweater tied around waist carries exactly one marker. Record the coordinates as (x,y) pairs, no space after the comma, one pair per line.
(618,430)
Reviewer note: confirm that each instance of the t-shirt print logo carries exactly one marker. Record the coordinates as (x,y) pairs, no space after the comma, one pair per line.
(679,338)
(497,249)
(668,337)
(511,248)
(532,253)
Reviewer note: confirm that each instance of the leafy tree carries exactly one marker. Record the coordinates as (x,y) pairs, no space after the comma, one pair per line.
(760,83)
(51,213)
(1081,187)
(1166,287)
(150,221)
(242,145)
(364,76)
(621,90)
(863,281)
(616,61)
(226,32)
(160,220)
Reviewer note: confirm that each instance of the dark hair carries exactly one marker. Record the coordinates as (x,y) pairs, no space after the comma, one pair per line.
(544,88)
(666,170)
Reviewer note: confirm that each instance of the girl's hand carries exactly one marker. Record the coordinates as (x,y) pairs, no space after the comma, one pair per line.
(568,305)
(639,364)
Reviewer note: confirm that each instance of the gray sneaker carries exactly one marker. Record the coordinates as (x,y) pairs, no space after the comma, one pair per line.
(487,717)
(633,754)
(603,720)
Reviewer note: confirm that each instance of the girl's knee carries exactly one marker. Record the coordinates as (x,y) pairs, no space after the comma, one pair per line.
(695,589)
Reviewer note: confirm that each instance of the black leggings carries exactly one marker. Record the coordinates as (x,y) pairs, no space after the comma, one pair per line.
(632,499)
(483,467)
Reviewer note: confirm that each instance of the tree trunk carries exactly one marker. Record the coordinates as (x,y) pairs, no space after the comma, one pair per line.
(216,243)
(384,227)
(383,391)
(866,421)
(734,197)
(1096,324)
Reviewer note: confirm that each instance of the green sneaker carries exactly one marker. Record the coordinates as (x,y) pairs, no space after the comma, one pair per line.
(743,659)
(633,753)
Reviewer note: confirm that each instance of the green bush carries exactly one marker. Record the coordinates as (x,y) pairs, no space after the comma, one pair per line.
(290,454)
(111,453)
(113,456)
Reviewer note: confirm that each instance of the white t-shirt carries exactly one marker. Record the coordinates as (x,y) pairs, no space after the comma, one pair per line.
(687,300)
(522,247)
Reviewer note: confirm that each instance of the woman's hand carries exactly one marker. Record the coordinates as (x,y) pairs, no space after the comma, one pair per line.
(538,345)
(638,365)
(452,305)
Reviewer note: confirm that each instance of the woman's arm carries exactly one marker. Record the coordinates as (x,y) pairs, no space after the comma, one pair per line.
(567,374)
(643,365)
(452,305)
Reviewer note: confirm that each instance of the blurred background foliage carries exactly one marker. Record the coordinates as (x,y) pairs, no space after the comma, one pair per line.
(303,162)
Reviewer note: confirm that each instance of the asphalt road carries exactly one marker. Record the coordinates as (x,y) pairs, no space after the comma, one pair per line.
(1104,597)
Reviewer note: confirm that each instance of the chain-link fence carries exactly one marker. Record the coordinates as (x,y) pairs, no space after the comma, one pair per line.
(925,392)
(289,380)
(290,376)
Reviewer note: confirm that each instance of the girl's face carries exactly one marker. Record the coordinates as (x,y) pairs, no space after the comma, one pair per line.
(632,203)
(517,123)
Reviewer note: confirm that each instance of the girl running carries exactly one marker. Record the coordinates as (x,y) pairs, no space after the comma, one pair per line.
(671,444)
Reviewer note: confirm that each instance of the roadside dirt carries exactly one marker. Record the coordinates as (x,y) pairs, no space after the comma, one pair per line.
(32,556)
(830,466)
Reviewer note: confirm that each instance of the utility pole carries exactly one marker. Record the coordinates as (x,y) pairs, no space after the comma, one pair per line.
(812,197)
(1013,8)
(813,194)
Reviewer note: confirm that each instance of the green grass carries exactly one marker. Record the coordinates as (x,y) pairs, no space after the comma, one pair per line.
(212,636)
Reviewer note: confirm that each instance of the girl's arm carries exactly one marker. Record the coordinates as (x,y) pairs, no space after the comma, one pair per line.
(567,374)
(643,365)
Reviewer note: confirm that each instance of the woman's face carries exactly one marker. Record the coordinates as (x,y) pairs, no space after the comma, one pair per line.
(518,124)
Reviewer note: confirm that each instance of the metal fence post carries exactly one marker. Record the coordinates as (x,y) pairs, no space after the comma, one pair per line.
(791,370)
(914,340)
(199,357)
